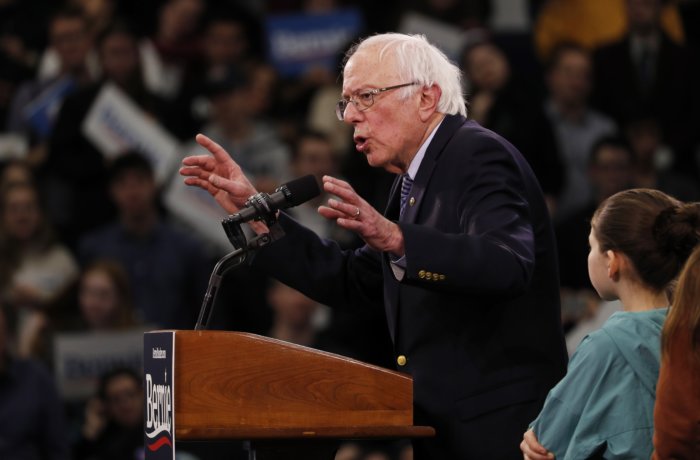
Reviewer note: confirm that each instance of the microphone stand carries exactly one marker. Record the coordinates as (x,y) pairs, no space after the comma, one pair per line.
(232,227)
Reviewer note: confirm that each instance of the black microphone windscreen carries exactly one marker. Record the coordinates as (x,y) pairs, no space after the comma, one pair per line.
(302,190)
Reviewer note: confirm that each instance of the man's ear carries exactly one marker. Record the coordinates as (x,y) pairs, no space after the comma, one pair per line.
(429,98)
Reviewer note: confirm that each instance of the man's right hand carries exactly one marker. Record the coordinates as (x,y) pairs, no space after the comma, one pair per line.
(219,175)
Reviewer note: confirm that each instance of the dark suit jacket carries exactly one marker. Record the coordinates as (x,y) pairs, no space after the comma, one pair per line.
(476,315)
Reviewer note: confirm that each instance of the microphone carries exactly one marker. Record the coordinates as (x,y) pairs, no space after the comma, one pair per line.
(263,206)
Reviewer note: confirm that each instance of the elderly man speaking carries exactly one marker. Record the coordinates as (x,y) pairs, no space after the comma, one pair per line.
(462,259)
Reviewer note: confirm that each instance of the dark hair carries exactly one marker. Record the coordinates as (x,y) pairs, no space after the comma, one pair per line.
(560,49)
(612,141)
(116,27)
(107,377)
(120,279)
(10,250)
(655,231)
(69,12)
(128,162)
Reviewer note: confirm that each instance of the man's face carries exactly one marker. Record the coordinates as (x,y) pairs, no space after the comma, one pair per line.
(570,79)
(70,40)
(385,132)
(120,58)
(134,193)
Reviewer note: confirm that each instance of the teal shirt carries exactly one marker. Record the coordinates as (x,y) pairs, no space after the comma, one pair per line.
(604,406)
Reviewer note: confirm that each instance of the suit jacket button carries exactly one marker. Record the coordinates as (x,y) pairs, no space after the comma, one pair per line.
(421,274)
(442,277)
(428,275)
(401,360)
(411,201)
(435,276)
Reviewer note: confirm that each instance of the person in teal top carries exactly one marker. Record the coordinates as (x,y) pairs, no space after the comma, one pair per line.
(604,406)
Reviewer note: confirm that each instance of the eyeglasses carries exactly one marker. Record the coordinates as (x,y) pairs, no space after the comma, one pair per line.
(364,100)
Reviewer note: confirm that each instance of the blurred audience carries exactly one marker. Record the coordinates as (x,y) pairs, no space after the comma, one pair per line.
(653,160)
(31,415)
(610,170)
(35,266)
(501,101)
(167,269)
(576,126)
(113,426)
(36,102)
(646,71)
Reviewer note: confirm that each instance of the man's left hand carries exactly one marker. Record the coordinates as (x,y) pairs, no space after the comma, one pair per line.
(355,214)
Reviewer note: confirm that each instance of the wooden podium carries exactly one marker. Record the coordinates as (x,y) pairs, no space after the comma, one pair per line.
(287,400)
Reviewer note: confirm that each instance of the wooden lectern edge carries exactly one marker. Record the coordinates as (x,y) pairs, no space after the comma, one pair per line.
(290,345)
(345,432)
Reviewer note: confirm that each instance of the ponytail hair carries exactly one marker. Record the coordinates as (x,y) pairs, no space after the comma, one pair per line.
(684,314)
(655,231)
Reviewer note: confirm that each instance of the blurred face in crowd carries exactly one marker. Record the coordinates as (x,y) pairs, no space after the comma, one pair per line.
(180,18)
(611,172)
(486,67)
(230,108)
(570,78)
(386,131)
(99,299)
(70,39)
(225,42)
(645,138)
(21,212)
(123,401)
(134,192)
(120,57)
(291,306)
(643,15)
(314,156)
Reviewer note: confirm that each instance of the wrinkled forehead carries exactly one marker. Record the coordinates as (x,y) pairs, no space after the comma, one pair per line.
(369,67)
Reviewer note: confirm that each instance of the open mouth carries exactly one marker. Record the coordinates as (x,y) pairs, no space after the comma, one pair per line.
(360,143)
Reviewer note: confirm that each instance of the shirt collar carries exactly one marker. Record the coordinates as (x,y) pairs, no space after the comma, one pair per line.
(418,159)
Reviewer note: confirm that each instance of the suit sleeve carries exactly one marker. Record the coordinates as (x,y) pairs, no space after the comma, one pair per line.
(320,269)
(493,250)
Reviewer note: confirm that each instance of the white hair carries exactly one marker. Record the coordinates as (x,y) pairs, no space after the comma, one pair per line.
(419,61)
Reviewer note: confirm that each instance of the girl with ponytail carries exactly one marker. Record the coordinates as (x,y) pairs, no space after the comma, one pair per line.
(604,407)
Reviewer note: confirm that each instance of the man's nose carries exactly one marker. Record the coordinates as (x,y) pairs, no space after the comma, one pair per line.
(352,114)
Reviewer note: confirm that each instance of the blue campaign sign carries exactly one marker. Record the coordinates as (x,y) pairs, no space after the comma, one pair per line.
(298,42)
(159,416)
(41,112)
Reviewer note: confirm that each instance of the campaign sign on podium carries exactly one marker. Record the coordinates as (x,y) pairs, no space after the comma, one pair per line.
(159,391)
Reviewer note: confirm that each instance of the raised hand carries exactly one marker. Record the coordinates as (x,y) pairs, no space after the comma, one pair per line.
(354,213)
(219,175)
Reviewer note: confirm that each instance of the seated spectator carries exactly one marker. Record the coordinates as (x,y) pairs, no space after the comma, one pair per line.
(604,406)
(254,145)
(294,314)
(647,72)
(31,425)
(75,173)
(167,270)
(677,409)
(35,266)
(654,160)
(610,169)
(313,154)
(576,126)
(69,37)
(499,101)
(168,54)
(113,427)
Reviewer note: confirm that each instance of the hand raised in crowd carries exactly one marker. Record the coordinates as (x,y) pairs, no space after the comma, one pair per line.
(219,175)
(355,214)
(532,449)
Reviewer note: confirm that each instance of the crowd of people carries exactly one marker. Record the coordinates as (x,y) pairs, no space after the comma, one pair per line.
(91,247)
